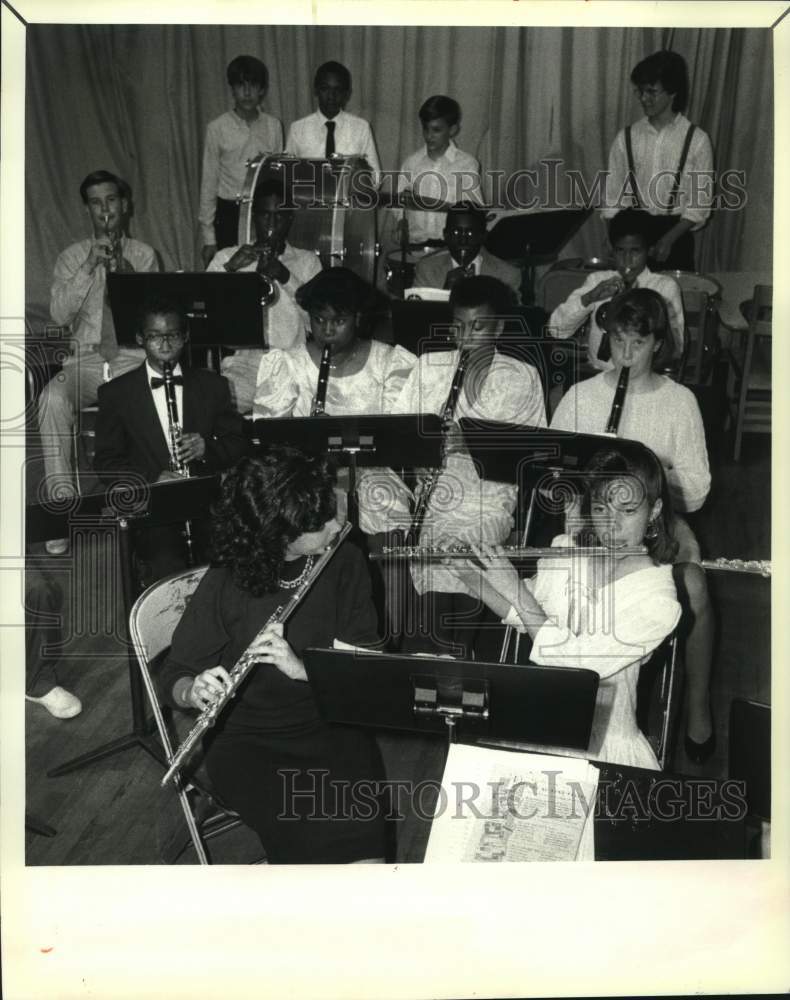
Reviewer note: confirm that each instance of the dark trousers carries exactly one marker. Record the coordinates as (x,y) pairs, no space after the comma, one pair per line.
(161,549)
(226,223)
(681,256)
(443,623)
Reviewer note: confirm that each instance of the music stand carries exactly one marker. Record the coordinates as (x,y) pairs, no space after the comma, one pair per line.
(395,442)
(539,457)
(532,238)
(476,701)
(222,309)
(162,503)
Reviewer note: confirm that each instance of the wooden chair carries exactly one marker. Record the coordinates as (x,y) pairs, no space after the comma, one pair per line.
(753,371)
(152,620)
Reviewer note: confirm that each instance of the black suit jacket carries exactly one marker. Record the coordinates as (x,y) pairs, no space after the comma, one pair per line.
(129,436)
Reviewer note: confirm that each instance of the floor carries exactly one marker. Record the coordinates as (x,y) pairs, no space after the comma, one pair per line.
(113,811)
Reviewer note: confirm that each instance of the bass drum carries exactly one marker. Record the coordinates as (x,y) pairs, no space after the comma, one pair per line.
(335,213)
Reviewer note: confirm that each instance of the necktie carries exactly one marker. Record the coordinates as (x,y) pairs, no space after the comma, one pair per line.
(330,139)
(156,383)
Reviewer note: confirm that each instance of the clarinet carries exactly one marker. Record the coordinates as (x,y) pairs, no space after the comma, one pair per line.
(447,415)
(177,465)
(319,400)
(617,403)
(247,660)
(174,427)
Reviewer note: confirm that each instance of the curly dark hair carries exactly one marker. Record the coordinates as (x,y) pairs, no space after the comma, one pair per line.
(637,465)
(267,501)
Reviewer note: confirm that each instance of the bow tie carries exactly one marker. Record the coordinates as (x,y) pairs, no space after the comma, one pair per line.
(156,383)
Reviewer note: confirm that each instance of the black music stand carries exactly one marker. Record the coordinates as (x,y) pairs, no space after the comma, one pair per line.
(222,309)
(531,457)
(397,442)
(476,701)
(532,238)
(163,503)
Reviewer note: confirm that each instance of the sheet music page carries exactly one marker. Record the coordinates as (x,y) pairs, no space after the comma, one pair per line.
(498,805)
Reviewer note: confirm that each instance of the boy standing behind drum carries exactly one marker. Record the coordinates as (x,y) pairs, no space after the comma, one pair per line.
(439,173)
(231,140)
(331,130)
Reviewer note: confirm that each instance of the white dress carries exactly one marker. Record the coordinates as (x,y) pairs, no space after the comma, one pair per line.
(465,508)
(286,386)
(612,630)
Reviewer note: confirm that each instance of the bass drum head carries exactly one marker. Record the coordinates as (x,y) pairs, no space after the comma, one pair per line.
(326,221)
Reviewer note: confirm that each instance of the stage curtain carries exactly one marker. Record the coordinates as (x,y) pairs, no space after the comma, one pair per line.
(136,100)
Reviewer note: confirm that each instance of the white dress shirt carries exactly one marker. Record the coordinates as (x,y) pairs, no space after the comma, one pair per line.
(160,402)
(230,143)
(656,159)
(455,176)
(353,137)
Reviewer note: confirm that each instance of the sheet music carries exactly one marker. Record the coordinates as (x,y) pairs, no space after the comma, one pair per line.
(498,805)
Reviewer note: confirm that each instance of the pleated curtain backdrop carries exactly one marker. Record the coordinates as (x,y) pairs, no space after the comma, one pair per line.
(136,100)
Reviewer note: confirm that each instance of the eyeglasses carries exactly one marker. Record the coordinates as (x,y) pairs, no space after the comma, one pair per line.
(161,338)
(649,91)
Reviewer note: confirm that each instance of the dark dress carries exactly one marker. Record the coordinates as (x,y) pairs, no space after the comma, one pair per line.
(291,777)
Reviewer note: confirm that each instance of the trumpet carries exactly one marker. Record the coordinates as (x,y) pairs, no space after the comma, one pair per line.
(247,660)
(264,255)
(115,244)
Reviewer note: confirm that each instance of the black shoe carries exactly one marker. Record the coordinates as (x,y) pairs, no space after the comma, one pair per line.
(700,752)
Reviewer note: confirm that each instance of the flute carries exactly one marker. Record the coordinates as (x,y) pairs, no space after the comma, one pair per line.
(247,660)
(319,400)
(506,553)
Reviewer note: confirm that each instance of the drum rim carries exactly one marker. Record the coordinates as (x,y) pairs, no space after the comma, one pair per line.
(715,292)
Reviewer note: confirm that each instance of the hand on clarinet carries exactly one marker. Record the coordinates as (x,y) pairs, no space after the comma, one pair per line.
(191,447)
(207,687)
(271,647)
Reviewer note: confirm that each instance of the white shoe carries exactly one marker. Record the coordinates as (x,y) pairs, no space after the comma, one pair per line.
(57,546)
(59,702)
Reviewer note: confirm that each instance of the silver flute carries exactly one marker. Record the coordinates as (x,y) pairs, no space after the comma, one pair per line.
(505,553)
(247,660)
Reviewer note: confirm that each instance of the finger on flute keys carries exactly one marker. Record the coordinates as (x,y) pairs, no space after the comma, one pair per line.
(209,686)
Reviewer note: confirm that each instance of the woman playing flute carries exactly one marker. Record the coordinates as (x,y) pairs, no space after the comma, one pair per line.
(270,757)
(608,613)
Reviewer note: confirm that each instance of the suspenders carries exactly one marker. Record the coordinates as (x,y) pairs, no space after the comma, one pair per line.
(631,175)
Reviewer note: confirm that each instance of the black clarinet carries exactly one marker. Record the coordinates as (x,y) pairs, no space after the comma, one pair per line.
(447,415)
(617,403)
(319,400)
(177,464)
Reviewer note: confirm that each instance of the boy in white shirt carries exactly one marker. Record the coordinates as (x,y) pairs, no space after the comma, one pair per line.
(231,140)
(439,173)
(628,236)
(331,130)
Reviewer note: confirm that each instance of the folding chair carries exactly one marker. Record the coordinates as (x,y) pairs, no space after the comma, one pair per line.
(152,621)
(662,666)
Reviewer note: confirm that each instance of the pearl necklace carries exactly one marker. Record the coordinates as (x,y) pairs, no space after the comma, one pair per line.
(293,584)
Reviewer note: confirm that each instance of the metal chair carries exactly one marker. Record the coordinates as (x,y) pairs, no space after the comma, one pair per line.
(152,621)
(662,666)
(753,406)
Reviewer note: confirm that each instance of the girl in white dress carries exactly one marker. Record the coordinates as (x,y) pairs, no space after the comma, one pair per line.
(365,376)
(465,508)
(605,613)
